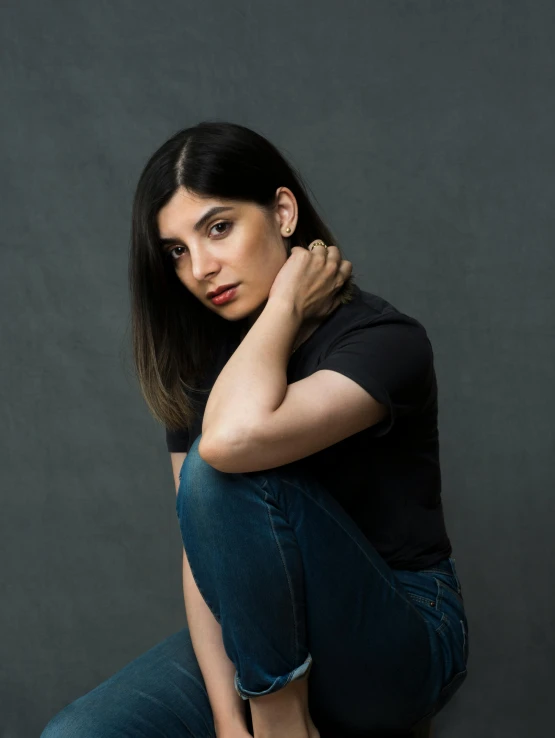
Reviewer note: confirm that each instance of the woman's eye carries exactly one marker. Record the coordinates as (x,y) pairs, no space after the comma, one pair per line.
(222,223)
(227,223)
(171,252)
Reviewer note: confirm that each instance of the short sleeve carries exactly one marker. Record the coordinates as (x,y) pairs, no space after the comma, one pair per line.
(177,441)
(391,359)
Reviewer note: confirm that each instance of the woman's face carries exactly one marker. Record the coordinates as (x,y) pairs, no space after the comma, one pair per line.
(240,245)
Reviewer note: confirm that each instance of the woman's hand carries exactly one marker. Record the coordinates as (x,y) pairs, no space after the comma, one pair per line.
(310,280)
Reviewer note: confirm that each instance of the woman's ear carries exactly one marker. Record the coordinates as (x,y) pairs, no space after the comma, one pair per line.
(286,210)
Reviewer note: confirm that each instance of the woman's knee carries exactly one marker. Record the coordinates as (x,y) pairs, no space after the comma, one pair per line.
(195,469)
(200,485)
(72,722)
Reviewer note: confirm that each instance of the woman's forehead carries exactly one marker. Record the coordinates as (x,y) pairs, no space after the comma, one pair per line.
(186,212)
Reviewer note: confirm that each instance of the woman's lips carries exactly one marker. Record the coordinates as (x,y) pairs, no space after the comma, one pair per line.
(224,297)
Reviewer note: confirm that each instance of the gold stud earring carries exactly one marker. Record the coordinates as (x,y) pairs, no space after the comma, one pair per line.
(288,230)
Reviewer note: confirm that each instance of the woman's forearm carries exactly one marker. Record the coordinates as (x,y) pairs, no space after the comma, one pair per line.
(218,670)
(253,382)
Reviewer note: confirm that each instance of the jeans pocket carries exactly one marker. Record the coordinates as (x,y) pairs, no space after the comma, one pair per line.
(426,594)
(455,658)
(434,594)
(447,572)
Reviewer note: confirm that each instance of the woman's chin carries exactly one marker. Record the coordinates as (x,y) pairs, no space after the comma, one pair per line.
(236,310)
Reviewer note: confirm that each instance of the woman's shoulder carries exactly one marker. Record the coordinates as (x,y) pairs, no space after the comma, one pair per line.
(368,309)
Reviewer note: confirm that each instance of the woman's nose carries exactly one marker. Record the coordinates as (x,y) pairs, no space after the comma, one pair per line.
(203,265)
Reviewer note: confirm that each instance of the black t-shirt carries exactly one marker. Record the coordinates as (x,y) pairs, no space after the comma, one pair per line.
(387,477)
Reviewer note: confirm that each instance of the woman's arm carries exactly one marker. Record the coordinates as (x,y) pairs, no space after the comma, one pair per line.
(217,669)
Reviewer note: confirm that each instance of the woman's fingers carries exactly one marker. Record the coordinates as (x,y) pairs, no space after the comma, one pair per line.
(345,270)
(332,255)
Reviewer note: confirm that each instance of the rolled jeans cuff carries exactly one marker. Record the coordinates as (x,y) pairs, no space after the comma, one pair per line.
(300,672)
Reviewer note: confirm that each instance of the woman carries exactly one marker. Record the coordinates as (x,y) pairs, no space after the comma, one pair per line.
(301,418)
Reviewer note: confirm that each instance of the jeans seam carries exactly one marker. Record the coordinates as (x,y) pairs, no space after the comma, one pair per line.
(443,624)
(206,600)
(289,583)
(445,621)
(434,570)
(189,676)
(395,589)
(157,701)
(420,598)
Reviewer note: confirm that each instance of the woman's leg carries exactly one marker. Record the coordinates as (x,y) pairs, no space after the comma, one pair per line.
(160,694)
(299,590)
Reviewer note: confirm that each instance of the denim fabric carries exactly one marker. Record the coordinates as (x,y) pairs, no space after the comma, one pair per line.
(299,593)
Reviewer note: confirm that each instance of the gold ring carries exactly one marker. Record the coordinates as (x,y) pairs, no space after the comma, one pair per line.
(318,242)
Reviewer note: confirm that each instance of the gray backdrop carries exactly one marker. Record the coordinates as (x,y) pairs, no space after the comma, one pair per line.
(425,130)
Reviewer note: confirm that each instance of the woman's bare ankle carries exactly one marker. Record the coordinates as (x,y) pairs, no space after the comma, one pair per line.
(284,713)
(234,732)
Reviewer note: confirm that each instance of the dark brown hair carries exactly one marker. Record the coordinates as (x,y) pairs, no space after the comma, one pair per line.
(175,338)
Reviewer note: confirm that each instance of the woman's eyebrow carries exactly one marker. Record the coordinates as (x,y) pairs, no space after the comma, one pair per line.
(201,221)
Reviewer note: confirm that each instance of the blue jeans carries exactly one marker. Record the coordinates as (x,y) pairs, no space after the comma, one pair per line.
(299,592)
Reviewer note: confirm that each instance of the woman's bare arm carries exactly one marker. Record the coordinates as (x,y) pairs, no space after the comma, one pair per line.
(217,669)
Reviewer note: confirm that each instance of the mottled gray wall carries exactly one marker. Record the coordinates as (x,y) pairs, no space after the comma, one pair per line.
(425,130)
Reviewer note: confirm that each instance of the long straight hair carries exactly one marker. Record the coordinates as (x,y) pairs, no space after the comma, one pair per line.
(175,338)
